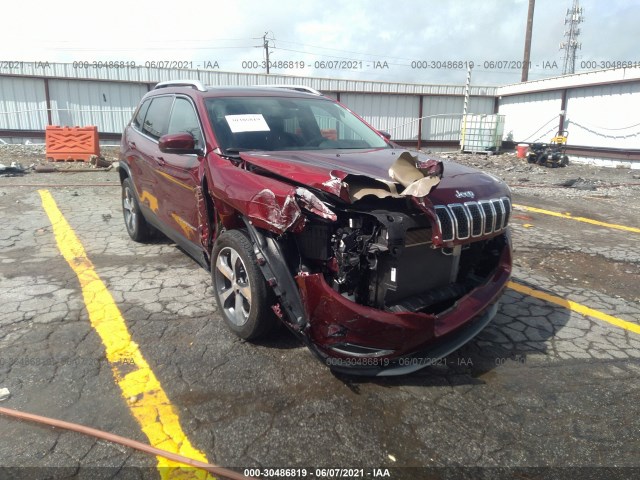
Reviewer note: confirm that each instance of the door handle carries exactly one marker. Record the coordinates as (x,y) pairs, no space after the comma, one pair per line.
(160,160)
(132,145)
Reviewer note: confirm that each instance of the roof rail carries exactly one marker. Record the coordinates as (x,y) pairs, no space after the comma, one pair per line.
(182,83)
(298,88)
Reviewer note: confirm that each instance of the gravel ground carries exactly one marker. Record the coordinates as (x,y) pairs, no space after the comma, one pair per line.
(515,171)
(590,181)
(542,392)
(574,182)
(32,155)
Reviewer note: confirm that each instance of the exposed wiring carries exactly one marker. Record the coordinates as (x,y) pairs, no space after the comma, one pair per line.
(554,118)
(544,134)
(606,135)
(610,129)
(127,442)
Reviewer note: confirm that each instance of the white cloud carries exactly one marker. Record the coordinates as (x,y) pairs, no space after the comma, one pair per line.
(229,32)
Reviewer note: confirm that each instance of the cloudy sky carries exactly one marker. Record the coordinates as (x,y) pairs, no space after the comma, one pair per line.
(364,40)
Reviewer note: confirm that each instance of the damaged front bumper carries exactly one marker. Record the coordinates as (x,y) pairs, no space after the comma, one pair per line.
(386,367)
(361,340)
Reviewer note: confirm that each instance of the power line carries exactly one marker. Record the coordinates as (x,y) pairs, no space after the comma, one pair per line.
(128,49)
(346,51)
(335,56)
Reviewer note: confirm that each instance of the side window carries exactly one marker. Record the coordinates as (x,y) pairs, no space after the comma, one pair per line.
(157,118)
(184,119)
(142,111)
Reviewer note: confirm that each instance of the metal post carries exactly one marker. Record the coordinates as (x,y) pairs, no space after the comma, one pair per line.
(563,110)
(467,94)
(47,97)
(420,103)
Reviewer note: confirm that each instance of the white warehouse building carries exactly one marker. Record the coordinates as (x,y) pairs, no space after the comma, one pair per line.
(597,108)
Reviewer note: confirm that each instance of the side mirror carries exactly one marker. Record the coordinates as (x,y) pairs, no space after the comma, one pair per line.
(386,135)
(178,143)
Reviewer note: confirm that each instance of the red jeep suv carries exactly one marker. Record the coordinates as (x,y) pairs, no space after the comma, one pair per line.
(380,260)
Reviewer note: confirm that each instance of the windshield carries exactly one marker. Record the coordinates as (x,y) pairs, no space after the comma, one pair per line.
(273,123)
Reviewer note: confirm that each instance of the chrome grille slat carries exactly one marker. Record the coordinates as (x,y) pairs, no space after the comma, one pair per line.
(473,219)
(507,210)
(489,216)
(462,220)
(445,222)
(476,215)
(499,208)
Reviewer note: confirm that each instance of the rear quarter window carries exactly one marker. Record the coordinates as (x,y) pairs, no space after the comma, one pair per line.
(140,114)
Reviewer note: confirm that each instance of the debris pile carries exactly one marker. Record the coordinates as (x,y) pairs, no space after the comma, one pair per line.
(14,170)
(575,180)
(14,159)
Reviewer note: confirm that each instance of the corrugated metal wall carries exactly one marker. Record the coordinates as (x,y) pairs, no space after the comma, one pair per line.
(444,114)
(396,114)
(22,104)
(600,109)
(154,75)
(105,104)
(604,116)
(531,117)
(106,97)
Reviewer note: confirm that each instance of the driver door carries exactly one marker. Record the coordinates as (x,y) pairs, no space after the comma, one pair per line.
(177,174)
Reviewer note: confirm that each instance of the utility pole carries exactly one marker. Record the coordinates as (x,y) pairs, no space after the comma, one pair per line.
(574,18)
(265,44)
(527,43)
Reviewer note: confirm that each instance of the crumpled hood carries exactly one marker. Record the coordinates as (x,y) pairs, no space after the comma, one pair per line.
(338,171)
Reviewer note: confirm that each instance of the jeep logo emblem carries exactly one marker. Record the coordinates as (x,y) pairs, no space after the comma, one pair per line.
(467,194)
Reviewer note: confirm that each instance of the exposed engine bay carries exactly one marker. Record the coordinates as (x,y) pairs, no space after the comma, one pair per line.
(385,258)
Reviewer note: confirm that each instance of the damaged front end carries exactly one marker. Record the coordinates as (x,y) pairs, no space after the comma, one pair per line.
(383,276)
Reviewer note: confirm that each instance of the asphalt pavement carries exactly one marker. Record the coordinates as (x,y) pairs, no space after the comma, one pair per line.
(546,389)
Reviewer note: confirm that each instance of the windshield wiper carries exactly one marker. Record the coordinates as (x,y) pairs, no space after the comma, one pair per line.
(233,152)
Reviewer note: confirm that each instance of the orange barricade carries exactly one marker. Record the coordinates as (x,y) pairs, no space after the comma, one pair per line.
(71,143)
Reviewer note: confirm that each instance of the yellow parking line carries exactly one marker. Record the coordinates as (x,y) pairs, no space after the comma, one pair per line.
(576,307)
(140,388)
(578,219)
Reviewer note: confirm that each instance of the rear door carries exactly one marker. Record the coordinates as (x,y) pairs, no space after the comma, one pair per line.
(132,140)
(155,124)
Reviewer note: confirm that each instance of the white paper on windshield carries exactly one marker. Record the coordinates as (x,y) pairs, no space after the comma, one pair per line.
(253,122)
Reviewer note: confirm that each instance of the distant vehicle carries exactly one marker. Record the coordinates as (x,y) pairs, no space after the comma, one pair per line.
(379,260)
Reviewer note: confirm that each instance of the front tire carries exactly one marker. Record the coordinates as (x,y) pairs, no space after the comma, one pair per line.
(241,291)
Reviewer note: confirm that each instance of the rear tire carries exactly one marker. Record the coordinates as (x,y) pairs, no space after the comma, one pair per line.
(137,227)
(243,296)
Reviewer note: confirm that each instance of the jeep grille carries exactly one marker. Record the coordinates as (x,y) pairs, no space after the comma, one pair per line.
(459,221)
